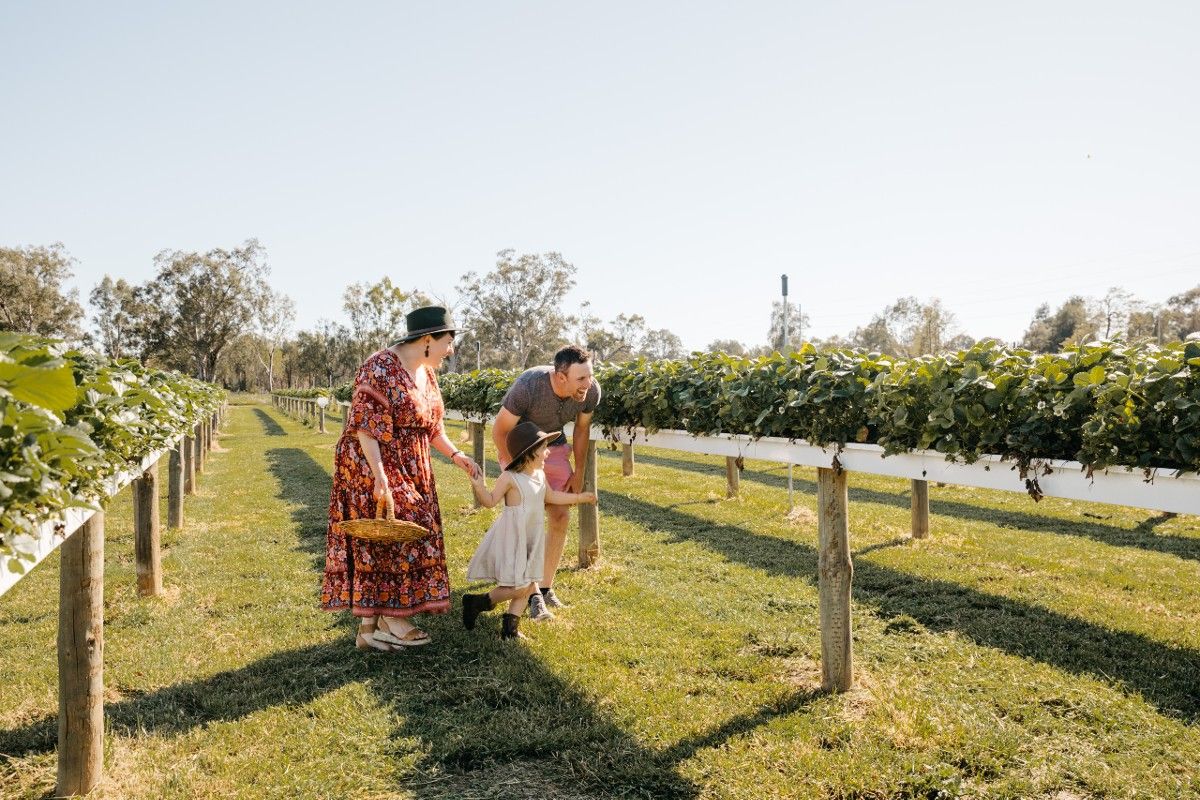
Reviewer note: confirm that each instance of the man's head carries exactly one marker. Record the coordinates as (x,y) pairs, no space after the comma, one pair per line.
(572,376)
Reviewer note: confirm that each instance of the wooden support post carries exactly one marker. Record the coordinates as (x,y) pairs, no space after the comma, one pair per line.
(589,515)
(733,477)
(920,509)
(477,451)
(201,453)
(211,423)
(835,573)
(345,409)
(175,481)
(189,465)
(81,660)
(147,533)
(627,460)
(321,418)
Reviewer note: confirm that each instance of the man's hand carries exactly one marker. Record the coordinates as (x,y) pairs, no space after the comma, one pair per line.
(575,484)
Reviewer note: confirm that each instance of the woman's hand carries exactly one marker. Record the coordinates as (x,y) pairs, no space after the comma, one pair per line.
(383,492)
(466,464)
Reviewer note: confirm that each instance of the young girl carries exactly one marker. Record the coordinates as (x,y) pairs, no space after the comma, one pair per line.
(513,550)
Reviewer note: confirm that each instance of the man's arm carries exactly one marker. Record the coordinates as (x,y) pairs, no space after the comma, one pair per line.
(505,421)
(580,437)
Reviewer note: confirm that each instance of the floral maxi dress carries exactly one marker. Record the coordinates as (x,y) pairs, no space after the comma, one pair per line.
(397,579)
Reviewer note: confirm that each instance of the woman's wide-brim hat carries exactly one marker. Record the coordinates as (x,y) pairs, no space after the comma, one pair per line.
(525,436)
(427,321)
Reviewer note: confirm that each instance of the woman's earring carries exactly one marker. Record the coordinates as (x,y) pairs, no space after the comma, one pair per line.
(427,351)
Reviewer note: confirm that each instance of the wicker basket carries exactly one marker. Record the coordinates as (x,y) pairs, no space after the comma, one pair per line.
(384,528)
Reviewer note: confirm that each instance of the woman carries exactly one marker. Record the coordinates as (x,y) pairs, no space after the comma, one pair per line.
(384,455)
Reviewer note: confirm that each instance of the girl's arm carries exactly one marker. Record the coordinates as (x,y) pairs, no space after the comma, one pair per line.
(557,498)
(496,495)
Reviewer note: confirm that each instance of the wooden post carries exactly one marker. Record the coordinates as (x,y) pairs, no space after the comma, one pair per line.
(920,509)
(189,465)
(147,534)
(626,460)
(835,573)
(733,477)
(201,453)
(589,515)
(477,451)
(345,409)
(321,418)
(81,660)
(211,423)
(175,481)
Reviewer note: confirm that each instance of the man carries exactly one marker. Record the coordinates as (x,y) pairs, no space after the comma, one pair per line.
(550,397)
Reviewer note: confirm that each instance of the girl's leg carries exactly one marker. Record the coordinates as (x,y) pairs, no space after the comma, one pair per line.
(475,604)
(519,597)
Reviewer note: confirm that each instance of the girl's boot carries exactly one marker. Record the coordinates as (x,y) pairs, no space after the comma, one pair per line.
(508,627)
(473,606)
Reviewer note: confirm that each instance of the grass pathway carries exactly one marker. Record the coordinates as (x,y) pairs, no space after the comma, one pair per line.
(1025,650)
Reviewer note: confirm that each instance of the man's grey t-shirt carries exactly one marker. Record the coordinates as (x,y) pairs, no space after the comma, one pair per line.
(532,399)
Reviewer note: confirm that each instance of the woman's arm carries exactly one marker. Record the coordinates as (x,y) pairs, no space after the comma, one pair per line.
(370,448)
(557,498)
(441,442)
(496,495)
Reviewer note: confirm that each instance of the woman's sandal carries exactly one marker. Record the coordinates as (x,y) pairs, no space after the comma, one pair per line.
(367,641)
(414,638)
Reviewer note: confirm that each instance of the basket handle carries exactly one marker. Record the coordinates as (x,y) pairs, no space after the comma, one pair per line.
(384,510)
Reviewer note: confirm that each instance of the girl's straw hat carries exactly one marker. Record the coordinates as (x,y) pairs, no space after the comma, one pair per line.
(524,437)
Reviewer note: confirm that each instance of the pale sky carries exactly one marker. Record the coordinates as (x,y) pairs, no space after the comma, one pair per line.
(681,155)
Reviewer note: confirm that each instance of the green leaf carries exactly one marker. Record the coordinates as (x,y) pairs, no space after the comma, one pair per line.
(51,388)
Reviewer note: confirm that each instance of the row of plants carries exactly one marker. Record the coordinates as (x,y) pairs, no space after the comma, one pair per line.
(1102,404)
(70,420)
(305,394)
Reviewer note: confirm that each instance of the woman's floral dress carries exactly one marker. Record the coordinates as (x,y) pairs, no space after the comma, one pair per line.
(398,579)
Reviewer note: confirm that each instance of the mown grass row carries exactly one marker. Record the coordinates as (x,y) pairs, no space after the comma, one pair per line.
(1024,650)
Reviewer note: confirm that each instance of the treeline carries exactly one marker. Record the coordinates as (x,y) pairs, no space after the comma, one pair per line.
(214,315)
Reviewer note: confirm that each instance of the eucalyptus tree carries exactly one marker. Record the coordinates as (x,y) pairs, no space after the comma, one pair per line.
(32,296)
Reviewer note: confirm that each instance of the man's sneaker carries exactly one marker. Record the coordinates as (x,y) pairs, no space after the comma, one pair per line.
(537,608)
(552,600)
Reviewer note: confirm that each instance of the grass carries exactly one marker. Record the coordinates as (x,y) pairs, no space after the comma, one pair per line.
(1024,650)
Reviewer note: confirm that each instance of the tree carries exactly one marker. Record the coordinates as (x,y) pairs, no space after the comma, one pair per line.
(617,341)
(32,299)
(661,344)
(326,353)
(1072,322)
(377,313)
(731,346)
(117,314)
(1113,310)
(198,303)
(1183,314)
(910,328)
(240,368)
(515,311)
(275,312)
(797,322)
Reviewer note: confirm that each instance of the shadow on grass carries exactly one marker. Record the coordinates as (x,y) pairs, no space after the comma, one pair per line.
(479,708)
(1142,537)
(304,484)
(272,427)
(1166,676)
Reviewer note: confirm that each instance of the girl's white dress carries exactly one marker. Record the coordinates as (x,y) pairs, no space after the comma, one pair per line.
(513,549)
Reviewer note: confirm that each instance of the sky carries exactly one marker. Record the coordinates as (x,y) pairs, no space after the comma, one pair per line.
(681,155)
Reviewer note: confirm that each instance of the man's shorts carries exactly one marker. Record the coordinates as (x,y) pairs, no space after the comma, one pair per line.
(558,467)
